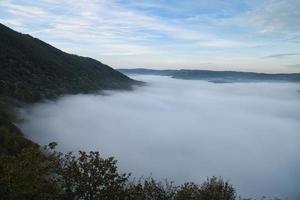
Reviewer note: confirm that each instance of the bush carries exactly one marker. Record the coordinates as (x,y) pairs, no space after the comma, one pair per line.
(27,175)
(150,189)
(91,177)
(212,189)
(188,191)
(217,189)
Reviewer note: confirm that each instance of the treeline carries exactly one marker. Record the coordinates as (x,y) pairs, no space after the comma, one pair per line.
(36,173)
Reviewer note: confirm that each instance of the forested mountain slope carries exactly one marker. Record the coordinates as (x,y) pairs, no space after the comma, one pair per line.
(32,70)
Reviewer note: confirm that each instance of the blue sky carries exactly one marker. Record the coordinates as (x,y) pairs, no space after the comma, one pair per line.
(256,35)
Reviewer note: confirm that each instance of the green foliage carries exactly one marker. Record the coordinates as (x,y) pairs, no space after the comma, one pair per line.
(150,189)
(212,189)
(89,176)
(12,140)
(189,191)
(47,174)
(32,70)
(216,188)
(27,176)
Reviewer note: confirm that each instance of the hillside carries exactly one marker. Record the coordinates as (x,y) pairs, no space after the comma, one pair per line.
(216,76)
(32,70)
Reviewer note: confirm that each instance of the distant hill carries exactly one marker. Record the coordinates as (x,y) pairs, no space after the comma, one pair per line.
(32,70)
(216,76)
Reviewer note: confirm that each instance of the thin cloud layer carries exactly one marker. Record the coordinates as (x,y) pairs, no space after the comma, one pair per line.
(282,55)
(185,131)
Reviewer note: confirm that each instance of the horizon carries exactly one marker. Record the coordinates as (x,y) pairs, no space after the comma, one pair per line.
(256,36)
(204,69)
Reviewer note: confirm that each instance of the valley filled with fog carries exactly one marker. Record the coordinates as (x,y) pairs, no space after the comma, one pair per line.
(185,130)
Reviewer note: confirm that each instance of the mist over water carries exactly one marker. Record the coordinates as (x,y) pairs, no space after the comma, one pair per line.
(185,130)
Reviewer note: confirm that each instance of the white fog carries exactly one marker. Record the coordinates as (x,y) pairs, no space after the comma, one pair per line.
(185,130)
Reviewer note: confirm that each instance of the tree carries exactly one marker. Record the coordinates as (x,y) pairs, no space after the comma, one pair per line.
(150,189)
(212,189)
(189,191)
(217,189)
(27,175)
(91,177)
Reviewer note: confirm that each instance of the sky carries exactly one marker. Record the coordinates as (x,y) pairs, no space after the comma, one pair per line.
(256,35)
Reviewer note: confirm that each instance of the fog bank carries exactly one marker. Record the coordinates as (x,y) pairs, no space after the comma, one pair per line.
(185,130)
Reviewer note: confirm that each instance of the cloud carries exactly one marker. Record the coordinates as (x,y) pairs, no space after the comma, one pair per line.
(185,130)
(118,23)
(295,65)
(23,10)
(277,15)
(282,55)
(110,30)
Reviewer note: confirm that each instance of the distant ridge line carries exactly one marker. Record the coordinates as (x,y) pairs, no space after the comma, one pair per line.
(216,76)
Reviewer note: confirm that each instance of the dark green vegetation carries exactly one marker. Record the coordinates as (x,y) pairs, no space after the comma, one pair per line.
(32,70)
(12,140)
(216,76)
(47,174)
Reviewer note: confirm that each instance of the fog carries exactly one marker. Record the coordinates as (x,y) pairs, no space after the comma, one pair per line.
(185,130)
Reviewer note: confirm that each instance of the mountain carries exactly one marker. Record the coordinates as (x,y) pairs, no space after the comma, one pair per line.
(144,71)
(32,70)
(216,76)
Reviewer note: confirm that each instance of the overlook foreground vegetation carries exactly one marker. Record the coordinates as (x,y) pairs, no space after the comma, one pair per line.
(47,174)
